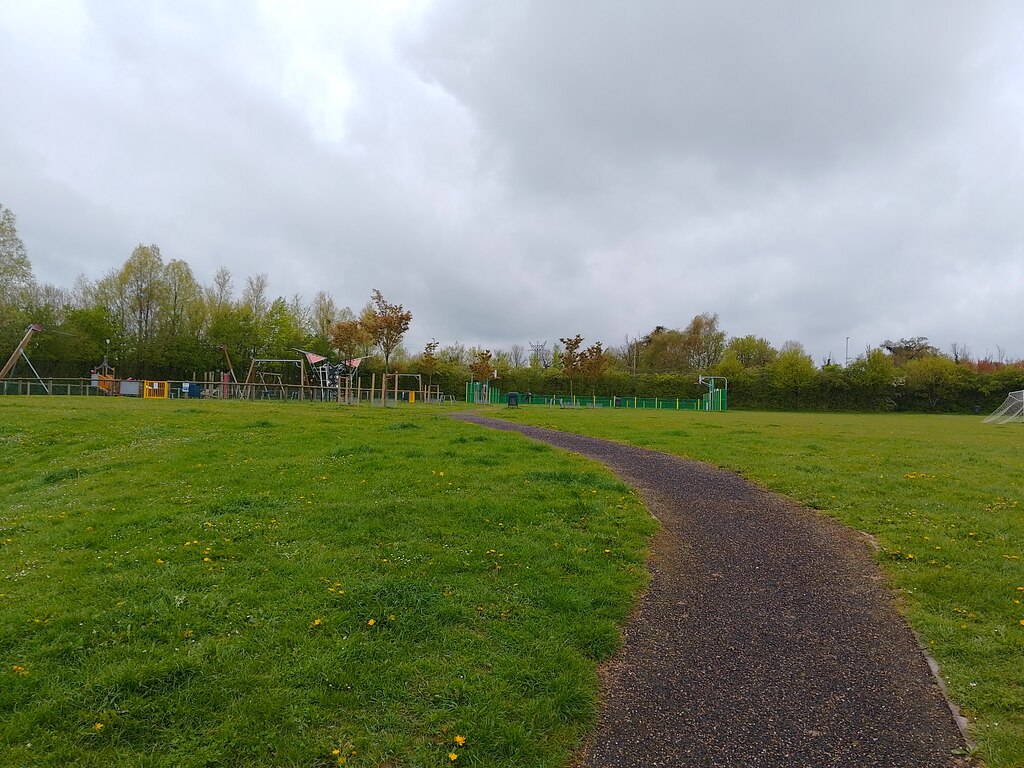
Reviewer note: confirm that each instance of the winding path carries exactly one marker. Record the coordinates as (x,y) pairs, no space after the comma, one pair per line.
(767,637)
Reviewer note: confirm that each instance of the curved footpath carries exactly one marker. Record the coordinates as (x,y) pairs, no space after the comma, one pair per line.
(767,636)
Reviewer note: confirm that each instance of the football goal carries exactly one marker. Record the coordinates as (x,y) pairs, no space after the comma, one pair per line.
(1012,409)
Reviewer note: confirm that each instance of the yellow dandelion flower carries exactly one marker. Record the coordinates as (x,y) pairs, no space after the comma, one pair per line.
(317,622)
(99,727)
(910,556)
(19,670)
(460,740)
(335,752)
(452,756)
(159,561)
(1022,622)
(371,622)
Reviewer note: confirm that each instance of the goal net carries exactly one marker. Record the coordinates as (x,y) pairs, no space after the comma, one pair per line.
(1012,409)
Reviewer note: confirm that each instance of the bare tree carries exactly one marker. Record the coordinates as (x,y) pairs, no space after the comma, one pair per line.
(540,354)
(960,353)
(517,356)
(454,354)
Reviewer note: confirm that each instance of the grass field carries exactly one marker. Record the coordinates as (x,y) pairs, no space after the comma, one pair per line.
(238,584)
(942,495)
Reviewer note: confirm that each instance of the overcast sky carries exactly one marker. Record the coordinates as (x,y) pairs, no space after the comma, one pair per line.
(519,171)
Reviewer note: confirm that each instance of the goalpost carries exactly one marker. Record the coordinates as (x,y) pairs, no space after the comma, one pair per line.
(1012,409)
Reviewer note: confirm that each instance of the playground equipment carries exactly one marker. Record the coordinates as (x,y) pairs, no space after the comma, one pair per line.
(1012,409)
(227,359)
(331,378)
(19,352)
(269,384)
(319,379)
(103,378)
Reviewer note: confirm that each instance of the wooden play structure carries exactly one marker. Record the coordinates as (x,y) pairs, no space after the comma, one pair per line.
(20,353)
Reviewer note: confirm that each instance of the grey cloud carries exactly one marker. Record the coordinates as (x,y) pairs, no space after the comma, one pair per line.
(518,171)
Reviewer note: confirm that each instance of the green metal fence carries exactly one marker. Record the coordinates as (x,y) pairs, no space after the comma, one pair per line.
(713,401)
(716,400)
(588,401)
(480,392)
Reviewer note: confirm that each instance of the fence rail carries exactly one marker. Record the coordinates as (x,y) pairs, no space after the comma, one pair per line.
(218,390)
(477,392)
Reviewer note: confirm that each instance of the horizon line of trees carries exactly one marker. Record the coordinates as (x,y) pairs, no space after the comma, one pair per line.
(152,319)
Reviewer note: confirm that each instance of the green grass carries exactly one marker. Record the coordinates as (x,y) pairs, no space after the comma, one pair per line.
(942,495)
(239,584)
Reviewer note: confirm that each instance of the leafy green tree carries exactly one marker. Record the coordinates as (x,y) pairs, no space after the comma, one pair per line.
(935,380)
(255,300)
(386,324)
(872,380)
(752,351)
(323,313)
(231,327)
(220,294)
(482,366)
(703,343)
(571,361)
(593,362)
(182,320)
(834,384)
(664,349)
(16,277)
(794,371)
(730,365)
(349,338)
(905,350)
(83,336)
(429,362)
(134,296)
(284,331)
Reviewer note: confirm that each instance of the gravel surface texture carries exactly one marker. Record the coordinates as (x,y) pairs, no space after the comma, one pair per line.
(768,636)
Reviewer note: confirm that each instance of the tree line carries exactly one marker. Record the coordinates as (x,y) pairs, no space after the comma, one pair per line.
(151,318)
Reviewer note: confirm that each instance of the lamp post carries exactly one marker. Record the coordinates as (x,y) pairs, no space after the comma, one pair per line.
(847,352)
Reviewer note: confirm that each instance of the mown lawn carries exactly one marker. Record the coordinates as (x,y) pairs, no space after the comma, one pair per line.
(942,495)
(233,584)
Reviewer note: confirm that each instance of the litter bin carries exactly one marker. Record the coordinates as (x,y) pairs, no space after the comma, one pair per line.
(617,403)
(513,399)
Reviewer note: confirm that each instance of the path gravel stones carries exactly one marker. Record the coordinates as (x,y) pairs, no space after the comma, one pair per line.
(767,637)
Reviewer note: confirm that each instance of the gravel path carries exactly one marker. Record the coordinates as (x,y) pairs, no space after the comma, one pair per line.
(767,636)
